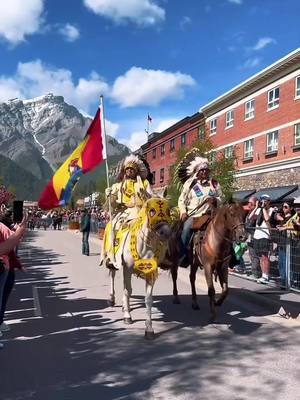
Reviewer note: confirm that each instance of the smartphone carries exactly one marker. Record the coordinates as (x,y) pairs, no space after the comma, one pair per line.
(17,211)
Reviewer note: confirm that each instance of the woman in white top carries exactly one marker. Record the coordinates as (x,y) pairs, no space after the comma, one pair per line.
(261,239)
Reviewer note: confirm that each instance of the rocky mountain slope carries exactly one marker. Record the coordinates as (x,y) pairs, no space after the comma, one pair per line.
(39,134)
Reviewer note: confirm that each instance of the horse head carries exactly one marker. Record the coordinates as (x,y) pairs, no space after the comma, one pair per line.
(235,222)
(159,217)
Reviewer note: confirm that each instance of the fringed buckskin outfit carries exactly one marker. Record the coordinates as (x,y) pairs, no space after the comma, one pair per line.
(195,199)
(127,196)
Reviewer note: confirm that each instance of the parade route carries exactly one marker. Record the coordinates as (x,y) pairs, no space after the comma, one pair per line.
(67,343)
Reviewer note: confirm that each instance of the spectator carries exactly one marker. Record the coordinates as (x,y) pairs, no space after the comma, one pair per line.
(250,225)
(8,261)
(261,238)
(282,218)
(85,229)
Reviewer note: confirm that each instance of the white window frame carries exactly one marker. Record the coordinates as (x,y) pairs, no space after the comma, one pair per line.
(229,119)
(297,87)
(250,109)
(228,152)
(213,126)
(162,150)
(172,145)
(248,149)
(297,135)
(154,177)
(161,175)
(153,154)
(183,139)
(273,101)
(272,141)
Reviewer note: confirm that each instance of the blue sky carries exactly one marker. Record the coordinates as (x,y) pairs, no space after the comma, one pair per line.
(165,57)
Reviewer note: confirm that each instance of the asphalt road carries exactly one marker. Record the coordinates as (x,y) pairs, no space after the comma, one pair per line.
(66,343)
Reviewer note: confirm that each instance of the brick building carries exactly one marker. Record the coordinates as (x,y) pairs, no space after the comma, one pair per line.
(161,148)
(259,120)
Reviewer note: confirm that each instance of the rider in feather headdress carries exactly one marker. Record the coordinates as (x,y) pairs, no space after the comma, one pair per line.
(128,196)
(199,197)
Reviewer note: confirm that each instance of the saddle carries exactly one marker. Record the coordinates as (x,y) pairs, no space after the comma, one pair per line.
(200,223)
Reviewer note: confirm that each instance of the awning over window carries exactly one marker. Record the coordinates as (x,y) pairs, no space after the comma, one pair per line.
(243,194)
(292,196)
(277,193)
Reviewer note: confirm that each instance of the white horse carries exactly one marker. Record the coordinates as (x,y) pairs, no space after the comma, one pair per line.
(141,249)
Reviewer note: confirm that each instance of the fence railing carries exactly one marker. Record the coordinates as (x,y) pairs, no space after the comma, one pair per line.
(282,249)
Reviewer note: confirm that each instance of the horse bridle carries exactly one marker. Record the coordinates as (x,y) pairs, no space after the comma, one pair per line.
(233,230)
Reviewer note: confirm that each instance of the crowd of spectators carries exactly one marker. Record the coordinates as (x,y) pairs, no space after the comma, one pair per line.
(60,219)
(272,228)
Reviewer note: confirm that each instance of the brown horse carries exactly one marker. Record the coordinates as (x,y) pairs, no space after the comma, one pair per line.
(213,252)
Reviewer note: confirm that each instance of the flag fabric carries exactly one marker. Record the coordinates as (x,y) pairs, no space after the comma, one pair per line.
(89,153)
(149,118)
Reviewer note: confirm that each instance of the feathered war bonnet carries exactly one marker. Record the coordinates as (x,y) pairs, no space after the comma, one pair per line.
(190,165)
(138,163)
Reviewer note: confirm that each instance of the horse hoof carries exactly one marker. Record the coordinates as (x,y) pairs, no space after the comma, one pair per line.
(111,303)
(127,321)
(195,306)
(176,300)
(149,335)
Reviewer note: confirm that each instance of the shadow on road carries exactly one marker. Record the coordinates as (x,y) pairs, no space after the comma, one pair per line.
(78,351)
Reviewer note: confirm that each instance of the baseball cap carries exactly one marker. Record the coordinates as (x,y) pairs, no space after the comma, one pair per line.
(265,197)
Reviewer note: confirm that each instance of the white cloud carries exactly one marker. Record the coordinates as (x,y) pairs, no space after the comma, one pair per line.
(238,2)
(34,79)
(141,12)
(165,124)
(111,128)
(69,32)
(252,62)
(141,87)
(263,42)
(184,22)
(135,140)
(19,18)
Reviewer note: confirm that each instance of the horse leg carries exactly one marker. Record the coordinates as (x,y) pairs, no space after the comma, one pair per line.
(223,278)
(149,332)
(211,290)
(174,272)
(112,301)
(195,305)
(126,295)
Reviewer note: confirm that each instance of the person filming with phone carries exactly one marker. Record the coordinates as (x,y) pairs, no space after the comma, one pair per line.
(262,243)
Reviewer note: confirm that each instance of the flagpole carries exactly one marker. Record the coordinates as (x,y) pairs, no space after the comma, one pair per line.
(105,145)
(148,125)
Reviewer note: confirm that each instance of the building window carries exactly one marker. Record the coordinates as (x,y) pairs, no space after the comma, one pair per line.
(298,86)
(172,145)
(213,126)
(229,118)
(272,142)
(228,152)
(153,177)
(154,154)
(297,135)
(162,150)
(162,175)
(273,98)
(212,156)
(250,109)
(248,149)
(183,139)
(201,132)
